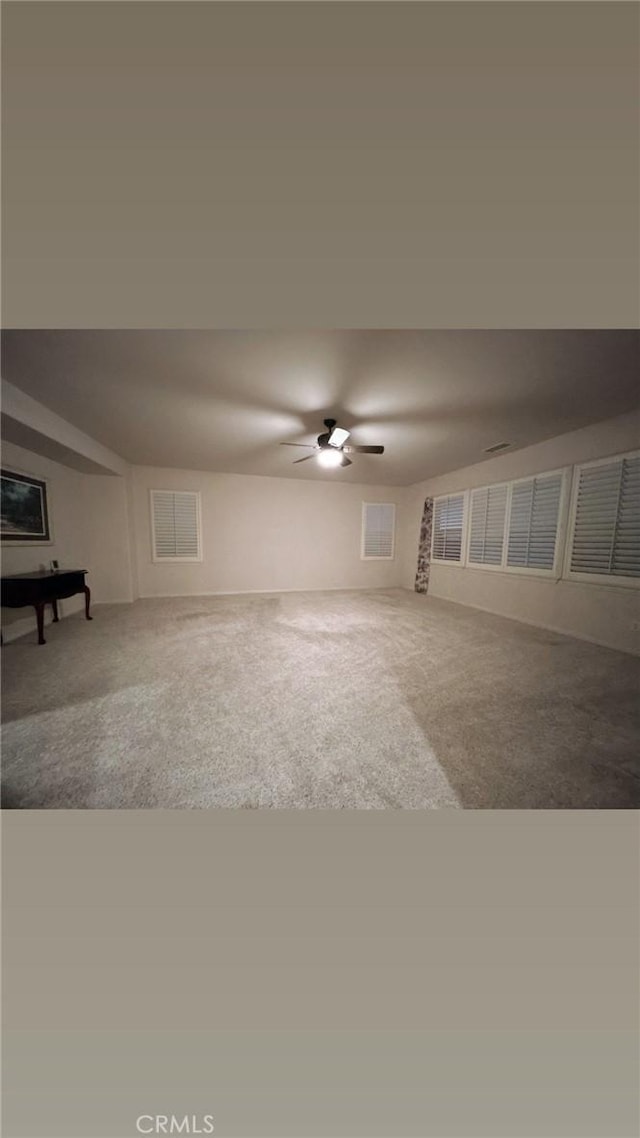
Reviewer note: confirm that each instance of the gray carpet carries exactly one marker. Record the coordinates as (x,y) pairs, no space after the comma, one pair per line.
(340,699)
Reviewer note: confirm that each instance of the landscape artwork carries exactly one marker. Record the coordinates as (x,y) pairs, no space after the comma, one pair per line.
(23,502)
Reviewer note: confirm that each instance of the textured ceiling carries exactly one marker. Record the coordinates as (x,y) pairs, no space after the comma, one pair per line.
(224,400)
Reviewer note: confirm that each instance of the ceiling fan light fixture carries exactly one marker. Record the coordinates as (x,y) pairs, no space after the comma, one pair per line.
(338,437)
(330,458)
(331,449)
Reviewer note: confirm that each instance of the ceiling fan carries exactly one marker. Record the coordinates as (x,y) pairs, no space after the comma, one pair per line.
(332,448)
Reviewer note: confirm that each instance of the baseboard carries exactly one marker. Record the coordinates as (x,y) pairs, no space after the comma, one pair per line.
(536,624)
(268,592)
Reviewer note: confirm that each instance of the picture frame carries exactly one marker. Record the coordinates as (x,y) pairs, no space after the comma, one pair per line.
(24,509)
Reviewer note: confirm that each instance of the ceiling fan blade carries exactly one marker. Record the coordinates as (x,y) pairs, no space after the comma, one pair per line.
(305,459)
(298,445)
(364,450)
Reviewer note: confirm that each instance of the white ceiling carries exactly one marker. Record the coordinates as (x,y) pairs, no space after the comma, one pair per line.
(225,400)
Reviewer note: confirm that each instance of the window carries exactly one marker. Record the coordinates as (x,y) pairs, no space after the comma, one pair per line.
(606,520)
(378,527)
(175,525)
(448,523)
(522,526)
(486,529)
(533,522)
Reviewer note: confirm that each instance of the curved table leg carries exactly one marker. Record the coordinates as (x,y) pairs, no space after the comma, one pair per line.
(40,619)
(87,602)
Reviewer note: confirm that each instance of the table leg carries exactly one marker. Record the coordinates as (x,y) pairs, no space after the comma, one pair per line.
(54,606)
(87,602)
(40,619)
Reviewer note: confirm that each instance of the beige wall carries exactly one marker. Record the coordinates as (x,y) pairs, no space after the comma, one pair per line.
(106,536)
(603,613)
(263,534)
(88,518)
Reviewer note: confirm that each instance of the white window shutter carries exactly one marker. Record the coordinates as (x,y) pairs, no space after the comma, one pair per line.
(378,528)
(606,532)
(533,522)
(448,518)
(626,549)
(175,516)
(486,531)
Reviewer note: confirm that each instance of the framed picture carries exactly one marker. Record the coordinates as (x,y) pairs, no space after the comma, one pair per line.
(24,510)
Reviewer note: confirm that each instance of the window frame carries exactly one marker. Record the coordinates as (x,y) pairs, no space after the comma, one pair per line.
(175,560)
(468,564)
(610,580)
(555,572)
(377,557)
(464,494)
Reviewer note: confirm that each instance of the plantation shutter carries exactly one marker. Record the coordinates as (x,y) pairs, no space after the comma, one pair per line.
(606,534)
(448,517)
(378,524)
(488,512)
(533,522)
(176,529)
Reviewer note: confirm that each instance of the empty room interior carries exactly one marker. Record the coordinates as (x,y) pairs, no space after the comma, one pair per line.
(329,569)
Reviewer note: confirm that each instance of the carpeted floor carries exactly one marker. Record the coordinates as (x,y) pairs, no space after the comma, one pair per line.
(339,699)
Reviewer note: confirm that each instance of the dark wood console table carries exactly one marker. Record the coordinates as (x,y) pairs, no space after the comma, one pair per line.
(44,588)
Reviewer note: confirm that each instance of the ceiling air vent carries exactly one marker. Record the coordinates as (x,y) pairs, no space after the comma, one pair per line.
(496,447)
